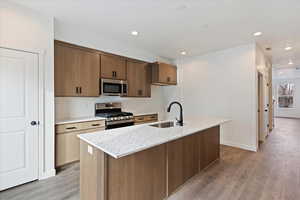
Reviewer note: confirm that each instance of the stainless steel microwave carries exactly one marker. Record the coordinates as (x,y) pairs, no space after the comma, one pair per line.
(110,87)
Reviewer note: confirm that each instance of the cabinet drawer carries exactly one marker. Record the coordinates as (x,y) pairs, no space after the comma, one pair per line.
(93,124)
(151,117)
(145,118)
(71,127)
(139,119)
(64,128)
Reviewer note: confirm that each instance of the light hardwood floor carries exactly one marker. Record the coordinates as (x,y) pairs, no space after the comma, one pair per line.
(272,173)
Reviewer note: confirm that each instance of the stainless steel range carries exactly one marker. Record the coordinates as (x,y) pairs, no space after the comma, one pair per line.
(113,114)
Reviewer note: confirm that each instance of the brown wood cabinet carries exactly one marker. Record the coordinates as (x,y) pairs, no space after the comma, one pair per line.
(209,146)
(67,142)
(151,174)
(76,71)
(183,161)
(113,67)
(141,119)
(174,165)
(164,74)
(139,79)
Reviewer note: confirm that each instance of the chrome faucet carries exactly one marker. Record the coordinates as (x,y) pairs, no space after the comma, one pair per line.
(180,121)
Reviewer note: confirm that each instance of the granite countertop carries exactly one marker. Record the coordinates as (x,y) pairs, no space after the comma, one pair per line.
(128,140)
(79,119)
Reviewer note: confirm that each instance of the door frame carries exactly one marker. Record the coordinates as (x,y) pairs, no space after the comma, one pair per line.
(42,174)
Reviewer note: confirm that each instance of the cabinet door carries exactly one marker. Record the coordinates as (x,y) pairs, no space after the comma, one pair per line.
(66,66)
(113,67)
(172,74)
(209,146)
(89,71)
(167,73)
(67,148)
(190,156)
(138,77)
(175,165)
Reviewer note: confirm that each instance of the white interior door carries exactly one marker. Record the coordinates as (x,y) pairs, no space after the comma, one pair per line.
(18,108)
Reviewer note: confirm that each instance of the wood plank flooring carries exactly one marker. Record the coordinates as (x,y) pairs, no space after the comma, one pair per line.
(273,173)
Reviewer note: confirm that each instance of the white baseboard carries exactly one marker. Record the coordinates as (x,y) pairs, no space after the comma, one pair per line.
(241,146)
(47,174)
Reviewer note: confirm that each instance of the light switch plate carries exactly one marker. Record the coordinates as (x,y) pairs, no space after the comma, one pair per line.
(90,150)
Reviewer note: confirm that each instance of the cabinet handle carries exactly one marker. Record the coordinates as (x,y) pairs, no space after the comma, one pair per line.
(95,124)
(114,73)
(168,79)
(77,91)
(80,90)
(70,128)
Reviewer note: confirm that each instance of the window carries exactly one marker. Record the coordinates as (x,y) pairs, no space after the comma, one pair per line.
(286,95)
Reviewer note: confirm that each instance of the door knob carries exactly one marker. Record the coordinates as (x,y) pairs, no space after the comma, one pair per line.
(33,123)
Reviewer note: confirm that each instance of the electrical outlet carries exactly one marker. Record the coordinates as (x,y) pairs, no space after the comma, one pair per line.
(90,150)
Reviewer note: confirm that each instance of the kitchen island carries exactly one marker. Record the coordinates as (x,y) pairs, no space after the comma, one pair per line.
(148,161)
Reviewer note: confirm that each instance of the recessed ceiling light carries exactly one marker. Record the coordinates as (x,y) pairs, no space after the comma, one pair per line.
(135,33)
(183,52)
(288,48)
(257,33)
(291,62)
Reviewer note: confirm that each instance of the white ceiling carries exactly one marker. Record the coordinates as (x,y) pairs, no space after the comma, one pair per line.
(198,26)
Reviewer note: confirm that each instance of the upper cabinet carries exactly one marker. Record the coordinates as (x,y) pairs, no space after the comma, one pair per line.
(76,71)
(113,67)
(164,74)
(139,79)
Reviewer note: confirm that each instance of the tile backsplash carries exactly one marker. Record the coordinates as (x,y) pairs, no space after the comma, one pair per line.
(73,107)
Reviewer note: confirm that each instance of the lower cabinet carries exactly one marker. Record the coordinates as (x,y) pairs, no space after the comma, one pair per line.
(152,174)
(67,143)
(209,146)
(187,156)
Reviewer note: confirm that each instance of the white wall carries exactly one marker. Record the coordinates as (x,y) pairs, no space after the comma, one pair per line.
(291,75)
(72,107)
(221,84)
(82,107)
(24,29)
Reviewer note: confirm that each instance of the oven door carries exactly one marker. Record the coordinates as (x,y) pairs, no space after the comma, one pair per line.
(112,87)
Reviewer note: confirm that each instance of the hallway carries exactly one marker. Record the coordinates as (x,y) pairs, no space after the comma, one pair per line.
(271,174)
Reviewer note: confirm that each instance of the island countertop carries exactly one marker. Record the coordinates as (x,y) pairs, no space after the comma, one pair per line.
(128,140)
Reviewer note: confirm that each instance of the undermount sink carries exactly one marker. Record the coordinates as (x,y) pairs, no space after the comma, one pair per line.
(164,125)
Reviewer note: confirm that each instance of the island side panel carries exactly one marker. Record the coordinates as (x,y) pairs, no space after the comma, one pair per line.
(209,146)
(174,165)
(93,180)
(190,156)
(141,176)
(182,161)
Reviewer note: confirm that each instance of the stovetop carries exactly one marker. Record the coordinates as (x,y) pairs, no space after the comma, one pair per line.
(114,114)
